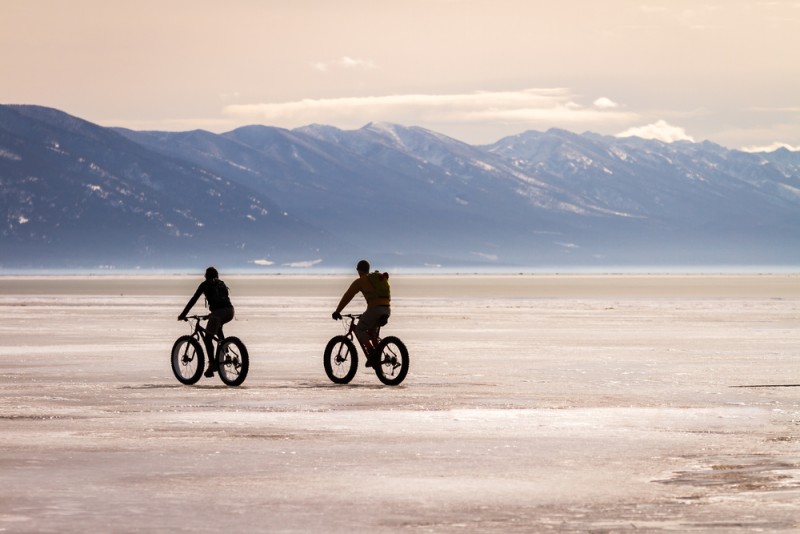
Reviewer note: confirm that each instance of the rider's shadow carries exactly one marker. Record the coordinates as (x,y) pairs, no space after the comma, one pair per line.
(301,385)
(176,386)
(769,386)
(345,386)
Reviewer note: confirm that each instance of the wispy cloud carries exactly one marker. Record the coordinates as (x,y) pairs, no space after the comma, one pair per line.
(227,97)
(485,256)
(770,148)
(659,130)
(546,106)
(344,62)
(605,103)
(303,264)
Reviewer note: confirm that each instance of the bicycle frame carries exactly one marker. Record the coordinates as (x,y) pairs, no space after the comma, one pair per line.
(229,358)
(375,337)
(199,331)
(387,356)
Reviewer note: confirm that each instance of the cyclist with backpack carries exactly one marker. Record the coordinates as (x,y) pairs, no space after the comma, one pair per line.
(375,288)
(219,304)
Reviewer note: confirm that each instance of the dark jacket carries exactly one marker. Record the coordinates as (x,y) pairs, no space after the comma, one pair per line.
(214,303)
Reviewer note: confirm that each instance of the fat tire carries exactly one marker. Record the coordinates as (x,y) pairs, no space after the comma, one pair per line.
(238,363)
(388,369)
(182,362)
(331,352)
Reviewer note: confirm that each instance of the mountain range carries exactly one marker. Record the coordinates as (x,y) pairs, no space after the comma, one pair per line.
(81,196)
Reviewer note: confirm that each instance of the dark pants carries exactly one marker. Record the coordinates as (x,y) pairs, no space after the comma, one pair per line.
(370,321)
(214,327)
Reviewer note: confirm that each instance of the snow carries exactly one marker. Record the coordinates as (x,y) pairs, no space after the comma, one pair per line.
(482,165)
(238,166)
(7,154)
(534,403)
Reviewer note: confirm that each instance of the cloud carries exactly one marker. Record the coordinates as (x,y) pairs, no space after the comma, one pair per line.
(487,257)
(344,62)
(543,107)
(770,148)
(605,103)
(303,264)
(660,130)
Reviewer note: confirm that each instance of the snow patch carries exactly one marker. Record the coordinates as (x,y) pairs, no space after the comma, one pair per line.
(237,166)
(9,155)
(482,165)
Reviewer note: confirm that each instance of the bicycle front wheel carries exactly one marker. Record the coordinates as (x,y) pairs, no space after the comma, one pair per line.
(341,360)
(187,360)
(392,365)
(234,361)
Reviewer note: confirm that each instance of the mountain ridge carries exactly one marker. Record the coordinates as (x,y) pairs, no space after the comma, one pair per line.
(404,196)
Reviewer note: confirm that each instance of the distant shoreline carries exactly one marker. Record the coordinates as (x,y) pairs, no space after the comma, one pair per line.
(610,270)
(447,286)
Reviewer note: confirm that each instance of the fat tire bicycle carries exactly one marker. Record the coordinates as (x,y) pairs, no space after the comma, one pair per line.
(188,358)
(390,359)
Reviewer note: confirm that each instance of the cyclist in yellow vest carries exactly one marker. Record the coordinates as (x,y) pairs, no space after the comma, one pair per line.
(378,303)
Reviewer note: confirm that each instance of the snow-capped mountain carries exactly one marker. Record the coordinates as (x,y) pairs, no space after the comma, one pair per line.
(80,195)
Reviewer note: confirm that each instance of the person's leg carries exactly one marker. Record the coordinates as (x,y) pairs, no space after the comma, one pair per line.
(212,328)
(367,328)
(364,327)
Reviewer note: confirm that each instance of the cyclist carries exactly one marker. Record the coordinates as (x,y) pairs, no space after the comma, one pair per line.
(219,304)
(378,305)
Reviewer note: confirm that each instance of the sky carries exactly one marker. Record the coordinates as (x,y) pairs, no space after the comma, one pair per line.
(727,71)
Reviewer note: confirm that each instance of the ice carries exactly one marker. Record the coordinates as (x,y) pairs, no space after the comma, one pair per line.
(571,403)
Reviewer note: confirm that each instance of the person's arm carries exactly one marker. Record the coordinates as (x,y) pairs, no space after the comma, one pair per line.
(192,302)
(351,292)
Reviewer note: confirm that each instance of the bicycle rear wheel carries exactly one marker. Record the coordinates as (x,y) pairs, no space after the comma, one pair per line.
(187,360)
(234,361)
(341,360)
(392,365)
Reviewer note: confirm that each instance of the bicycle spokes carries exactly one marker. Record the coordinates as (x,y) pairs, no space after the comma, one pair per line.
(389,358)
(392,365)
(340,360)
(231,360)
(341,355)
(187,358)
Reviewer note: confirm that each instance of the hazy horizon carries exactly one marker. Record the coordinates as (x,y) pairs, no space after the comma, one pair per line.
(475,70)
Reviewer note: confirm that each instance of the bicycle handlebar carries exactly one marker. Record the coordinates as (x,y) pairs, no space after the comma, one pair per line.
(198,317)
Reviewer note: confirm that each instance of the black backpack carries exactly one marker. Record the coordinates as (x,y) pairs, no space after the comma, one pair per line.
(218,294)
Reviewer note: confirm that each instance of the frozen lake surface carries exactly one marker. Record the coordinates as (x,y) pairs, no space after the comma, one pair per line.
(534,403)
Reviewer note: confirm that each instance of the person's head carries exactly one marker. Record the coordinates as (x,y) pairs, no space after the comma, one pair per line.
(363,267)
(211,273)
